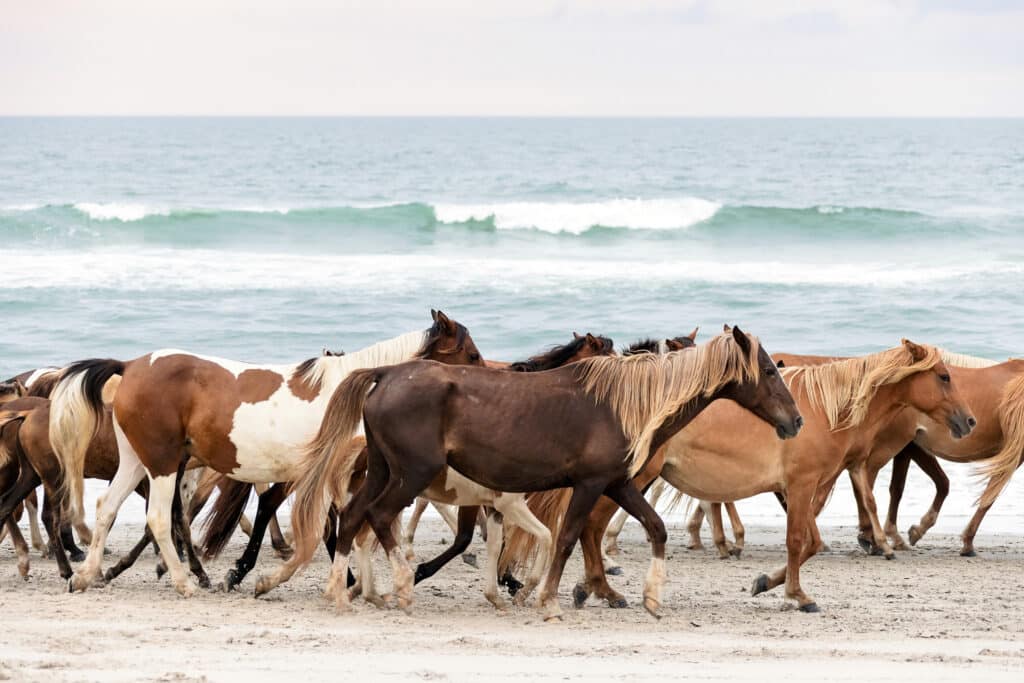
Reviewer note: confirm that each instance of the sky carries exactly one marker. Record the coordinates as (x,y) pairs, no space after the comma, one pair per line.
(527,57)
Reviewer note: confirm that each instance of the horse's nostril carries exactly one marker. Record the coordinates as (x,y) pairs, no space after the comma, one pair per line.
(971,422)
(799,421)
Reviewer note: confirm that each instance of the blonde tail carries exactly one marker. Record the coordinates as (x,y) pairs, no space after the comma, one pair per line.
(327,465)
(999,468)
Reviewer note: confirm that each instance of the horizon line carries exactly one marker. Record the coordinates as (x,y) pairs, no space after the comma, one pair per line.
(524,116)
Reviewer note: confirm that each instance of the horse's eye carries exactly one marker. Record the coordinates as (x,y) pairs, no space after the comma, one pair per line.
(769,371)
(474,357)
(944,378)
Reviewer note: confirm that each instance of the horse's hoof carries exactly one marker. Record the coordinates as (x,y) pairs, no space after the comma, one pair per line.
(915,534)
(580,595)
(652,605)
(204,582)
(555,619)
(612,549)
(695,546)
(810,608)
(231,580)
(77,583)
(419,574)
(108,576)
(614,571)
(890,556)
(969,552)
(187,589)
(618,603)
(865,545)
(161,569)
(760,585)
(736,552)
(77,557)
(262,586)
(470,559)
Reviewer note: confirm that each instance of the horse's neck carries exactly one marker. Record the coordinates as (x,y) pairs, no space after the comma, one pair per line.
(390,352)
(678,420)
(889,416)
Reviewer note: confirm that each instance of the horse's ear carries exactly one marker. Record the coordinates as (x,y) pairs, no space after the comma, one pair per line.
(433,315)
(726,328)
(575,335)
(19,388)
(780,363)
(741,339)
(673,345)
(593,342)
(444,321)
(693,335)
(917,352)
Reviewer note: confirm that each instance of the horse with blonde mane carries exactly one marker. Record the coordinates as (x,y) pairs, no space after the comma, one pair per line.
(851,408)
(995,392)
(245,420)
(590,426)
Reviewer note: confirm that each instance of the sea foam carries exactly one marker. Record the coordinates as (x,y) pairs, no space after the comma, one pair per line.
(578,217)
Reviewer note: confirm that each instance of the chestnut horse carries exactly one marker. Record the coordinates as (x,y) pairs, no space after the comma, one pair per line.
(248,421)
(852,408)
(590,426)
(995,392)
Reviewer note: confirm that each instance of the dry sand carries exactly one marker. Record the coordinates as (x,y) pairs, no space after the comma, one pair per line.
(929,615)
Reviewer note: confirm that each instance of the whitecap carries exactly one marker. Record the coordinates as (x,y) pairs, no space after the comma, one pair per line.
(119,211)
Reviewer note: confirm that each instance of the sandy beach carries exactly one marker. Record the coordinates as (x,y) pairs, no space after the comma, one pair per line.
(929,615)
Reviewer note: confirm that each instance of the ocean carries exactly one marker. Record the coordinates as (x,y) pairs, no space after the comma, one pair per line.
(268,239)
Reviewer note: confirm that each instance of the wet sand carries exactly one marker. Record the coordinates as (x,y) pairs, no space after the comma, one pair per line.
(928,615)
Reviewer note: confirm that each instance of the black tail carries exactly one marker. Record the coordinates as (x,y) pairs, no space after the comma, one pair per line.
(220,524)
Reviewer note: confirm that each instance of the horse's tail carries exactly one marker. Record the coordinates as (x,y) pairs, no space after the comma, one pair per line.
(999,468)
(328,462)
(227,510)
(547,506)
(9,417)
(76,405)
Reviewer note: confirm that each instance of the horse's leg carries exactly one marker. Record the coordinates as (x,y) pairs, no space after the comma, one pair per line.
(897,483)
(739,532)
(517,512)
(929,464)
(128,560)
(466,525)
(53,529)
(870,536)
(693,526)
(269,501)
(967,550)
(245,524)
(450,518)
(32,510)
(277,539)
(183,530)
(410,530)
(584,495)
(162,489)
(494,541)
(633,502)
(20,546)
(714,513)
(611,535)
(802,542)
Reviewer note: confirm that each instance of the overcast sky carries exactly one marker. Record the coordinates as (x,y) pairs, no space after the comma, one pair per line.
(527,57)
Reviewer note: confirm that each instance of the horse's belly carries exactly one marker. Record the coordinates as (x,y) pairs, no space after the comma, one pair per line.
(712,476)
(270,440)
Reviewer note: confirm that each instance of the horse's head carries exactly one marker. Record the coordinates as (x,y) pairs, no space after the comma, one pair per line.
(449,342)
(933,393)
(11,390)
(588,346)
(686,341)
(766,395)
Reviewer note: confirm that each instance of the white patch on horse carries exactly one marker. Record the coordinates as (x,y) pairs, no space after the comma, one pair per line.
(36,374)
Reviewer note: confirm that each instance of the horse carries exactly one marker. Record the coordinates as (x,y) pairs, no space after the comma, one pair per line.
(590,426)
(24,427)
(995,392)
(581,346)
(852,408)
(245,420)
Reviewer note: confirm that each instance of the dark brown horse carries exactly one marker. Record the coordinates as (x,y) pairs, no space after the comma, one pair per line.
(590,426)
(245,420)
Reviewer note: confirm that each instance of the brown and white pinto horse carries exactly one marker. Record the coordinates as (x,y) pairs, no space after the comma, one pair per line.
(590,426)
(245,420)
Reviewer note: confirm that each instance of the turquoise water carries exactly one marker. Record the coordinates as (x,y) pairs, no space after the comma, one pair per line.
(268,239)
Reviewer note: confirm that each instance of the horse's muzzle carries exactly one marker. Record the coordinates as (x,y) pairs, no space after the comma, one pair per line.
(790,429)
(961,424)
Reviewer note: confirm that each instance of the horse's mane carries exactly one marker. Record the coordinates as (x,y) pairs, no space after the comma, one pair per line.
(644,390)
(962,360)
(647,345)
(557,356)
(332,368)
(843,389)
